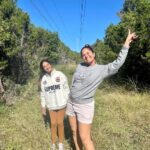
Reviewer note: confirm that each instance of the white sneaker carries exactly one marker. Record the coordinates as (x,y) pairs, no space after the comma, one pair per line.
(53,146)
(61,146)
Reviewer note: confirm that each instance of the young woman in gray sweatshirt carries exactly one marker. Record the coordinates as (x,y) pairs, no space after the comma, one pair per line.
(86,79)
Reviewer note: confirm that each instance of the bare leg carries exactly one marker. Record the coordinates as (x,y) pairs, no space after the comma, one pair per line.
(74,128)
(85,134)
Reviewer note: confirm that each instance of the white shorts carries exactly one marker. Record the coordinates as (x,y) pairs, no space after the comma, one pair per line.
(83,112)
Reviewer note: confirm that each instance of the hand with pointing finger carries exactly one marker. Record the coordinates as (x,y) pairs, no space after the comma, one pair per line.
(130,38)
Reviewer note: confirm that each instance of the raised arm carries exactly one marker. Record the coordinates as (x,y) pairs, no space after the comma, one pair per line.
(113,67)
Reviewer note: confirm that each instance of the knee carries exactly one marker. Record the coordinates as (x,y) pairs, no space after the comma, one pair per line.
(85,138)
(53,124)
(60,124)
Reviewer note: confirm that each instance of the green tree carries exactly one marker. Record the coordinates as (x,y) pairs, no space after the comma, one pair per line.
(103,52)
(135,15)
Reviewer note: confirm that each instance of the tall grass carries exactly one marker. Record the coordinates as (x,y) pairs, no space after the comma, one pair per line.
(121,122)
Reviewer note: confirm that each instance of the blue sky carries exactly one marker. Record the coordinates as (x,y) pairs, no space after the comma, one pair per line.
(64,17)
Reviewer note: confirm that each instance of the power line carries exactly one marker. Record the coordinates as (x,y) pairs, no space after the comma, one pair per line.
(53,23)
(60,17)
(52,20)
(82,18)
(39,11)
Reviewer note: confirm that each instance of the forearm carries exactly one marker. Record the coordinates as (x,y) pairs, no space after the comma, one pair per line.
(116,64)
(43,103)
(126,44)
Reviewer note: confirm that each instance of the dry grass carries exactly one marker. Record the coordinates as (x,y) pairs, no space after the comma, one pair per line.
(121,122)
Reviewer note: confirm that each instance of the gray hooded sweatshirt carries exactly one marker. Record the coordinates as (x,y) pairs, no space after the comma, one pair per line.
(86,79)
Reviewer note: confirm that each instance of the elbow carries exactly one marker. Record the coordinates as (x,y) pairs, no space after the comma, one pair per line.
(112,72)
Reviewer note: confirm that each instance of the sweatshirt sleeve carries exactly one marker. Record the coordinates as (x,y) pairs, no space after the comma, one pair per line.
(65,85)
(42,95)
(113,67)
(72,80)
(73,77)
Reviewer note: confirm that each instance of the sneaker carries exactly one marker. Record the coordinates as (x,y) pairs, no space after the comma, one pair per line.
(61,146)
(53,146)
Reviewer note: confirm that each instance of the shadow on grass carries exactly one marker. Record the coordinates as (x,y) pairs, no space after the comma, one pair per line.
(46,119)
(68,134)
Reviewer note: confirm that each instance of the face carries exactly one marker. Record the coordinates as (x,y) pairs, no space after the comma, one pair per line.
(47,67)
(88,56)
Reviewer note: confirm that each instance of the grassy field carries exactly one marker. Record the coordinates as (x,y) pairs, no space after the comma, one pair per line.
(121,122)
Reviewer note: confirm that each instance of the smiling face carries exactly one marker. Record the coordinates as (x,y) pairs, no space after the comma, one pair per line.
(47,67)
(88,56)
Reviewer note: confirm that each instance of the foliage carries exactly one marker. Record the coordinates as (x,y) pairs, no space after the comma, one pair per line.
(67,56)
(17,35)
(135,15)
(14,28)
(103,52)
(139,21)
(23,46)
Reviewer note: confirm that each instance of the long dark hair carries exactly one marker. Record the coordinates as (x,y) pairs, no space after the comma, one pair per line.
(41,65)
(42,72)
